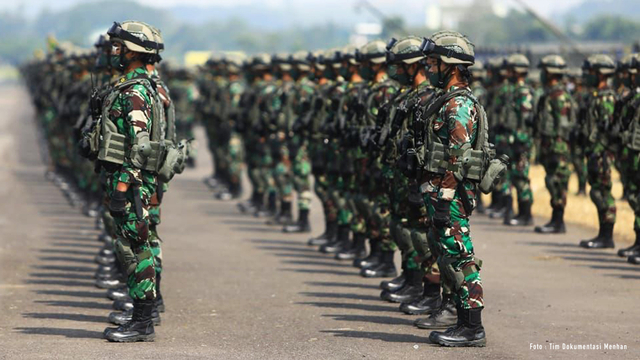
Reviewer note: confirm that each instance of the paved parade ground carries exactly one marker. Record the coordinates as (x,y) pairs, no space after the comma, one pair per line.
(238,289)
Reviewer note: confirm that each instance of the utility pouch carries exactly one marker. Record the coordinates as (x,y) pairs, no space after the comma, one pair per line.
(495,170)
(435,158)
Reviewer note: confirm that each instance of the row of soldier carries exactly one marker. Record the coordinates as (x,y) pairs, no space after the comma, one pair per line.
(368,125)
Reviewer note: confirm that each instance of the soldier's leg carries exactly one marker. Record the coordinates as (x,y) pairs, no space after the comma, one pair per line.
(134,252)
(459,270)
(599,175)
(356,205)
(633,185)
(520,180)
(340,199)
(558,172)
(381,265)
(425,260)
(579,162)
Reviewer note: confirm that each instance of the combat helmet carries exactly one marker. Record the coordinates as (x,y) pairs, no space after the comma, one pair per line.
(553,64)
(235,61)
(406,50)
(602,63)
(302,60)
(478,70)
(261,62)
(349,53)
(373,51)
(450,47)
(136,36)
(628,61)
(517,62)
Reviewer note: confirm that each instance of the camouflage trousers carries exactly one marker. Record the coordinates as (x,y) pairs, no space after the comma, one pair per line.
(132,245)
(154,220)
(504,143)
(554,157)
(378,226)
(301,178)
(599,163)
(321,188)
(283,178)
(633,185)
(459,268)
(235,162)
(401,235)
(519,177)
(579,161)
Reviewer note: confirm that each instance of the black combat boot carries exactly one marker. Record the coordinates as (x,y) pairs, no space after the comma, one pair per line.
(330,234)
(341,241)
(302,225)
(604,240)
(121,293)
(480,208)
(122,305)
(469,331)
(105,260)
(556,225)
(259,210)
(113,283)
(372,259)
(386,268)
(358,249)
(633,250)
(284,216)
(140,328)
(429,302)
(524,217)
(444,317)
(105,238)
(582,189)
(508,210)
(411,290)
(397,283)
(121,318)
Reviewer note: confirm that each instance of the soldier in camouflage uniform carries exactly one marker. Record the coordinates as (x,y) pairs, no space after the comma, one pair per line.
(555,118)
(578,139)
(630,135)
(408,211)
(130,187)
(303,111)
(374,199)
(455,124)
(598,123)
(519,125)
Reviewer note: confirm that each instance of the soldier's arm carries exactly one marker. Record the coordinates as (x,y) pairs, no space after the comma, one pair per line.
(461,122)
(137,119)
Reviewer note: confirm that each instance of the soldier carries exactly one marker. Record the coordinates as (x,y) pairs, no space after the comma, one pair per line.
(131,111)
(630,130)
(303,109)
(597,70)
(456,123)
(519,125)
(555,118)
(578,139)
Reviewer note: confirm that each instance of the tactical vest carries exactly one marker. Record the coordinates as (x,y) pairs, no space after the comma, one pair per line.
(475,162)
(592,128)
(115,147)
(550,126)
(511,121)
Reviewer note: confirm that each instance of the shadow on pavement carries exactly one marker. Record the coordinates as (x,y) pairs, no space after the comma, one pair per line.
(62,275)
(61,283)
(66,268)
(321,271)
(72,317)
(340,284)
(331,263)
(66,259)
(341,296)
(387,337)
(77,304)
(67,251)
(384,320)
(87,294)
(281,242)
(353,306)
(288,248)
(70,333)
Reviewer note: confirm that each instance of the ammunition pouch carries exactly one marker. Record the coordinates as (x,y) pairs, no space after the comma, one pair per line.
(174,161)
(113,145)
(633,141)
(434,158)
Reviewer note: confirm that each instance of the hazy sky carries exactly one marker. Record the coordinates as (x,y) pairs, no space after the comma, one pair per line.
(31,7)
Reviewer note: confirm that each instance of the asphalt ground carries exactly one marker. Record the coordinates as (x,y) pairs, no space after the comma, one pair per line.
(238,289)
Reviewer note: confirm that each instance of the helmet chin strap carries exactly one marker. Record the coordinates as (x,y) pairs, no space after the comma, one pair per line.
(442,80)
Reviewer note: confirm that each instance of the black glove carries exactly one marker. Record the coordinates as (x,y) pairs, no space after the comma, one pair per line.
(442,216)
(117,204)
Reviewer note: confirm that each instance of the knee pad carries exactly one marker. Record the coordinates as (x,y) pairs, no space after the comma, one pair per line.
(125,255)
